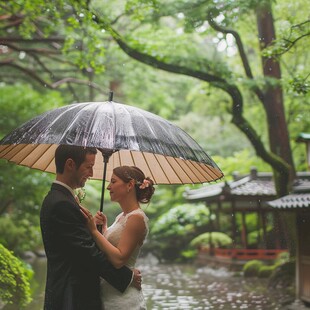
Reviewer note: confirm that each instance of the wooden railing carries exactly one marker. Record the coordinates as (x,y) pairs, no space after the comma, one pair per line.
(243,254)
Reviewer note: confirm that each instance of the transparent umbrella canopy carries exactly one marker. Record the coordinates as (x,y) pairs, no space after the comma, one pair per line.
(123,134)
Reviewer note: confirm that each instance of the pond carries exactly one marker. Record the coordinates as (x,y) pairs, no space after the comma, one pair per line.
(173,286)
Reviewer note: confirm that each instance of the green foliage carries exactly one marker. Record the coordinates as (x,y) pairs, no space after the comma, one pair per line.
(283,276)
(219,140)
(290,35)
(171,232)
(83,34)
(251,268)
(188,255)
(241,162)
(22,189)
(14,279)
(181,220)
(164,30)
(283,258)
(256,268)
(19,235)
(20,103)
(266,271)
(300,85)
(32,9)
(218,239)
(161,94)
(253,236)
(164,198)
(140,8)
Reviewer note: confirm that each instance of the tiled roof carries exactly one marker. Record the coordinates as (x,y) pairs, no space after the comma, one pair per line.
(302,185)
(255,188)
(293,201)
(211,190)
(255,184)
(303,137)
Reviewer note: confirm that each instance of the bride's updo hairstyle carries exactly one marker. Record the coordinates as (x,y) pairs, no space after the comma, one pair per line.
(144,185)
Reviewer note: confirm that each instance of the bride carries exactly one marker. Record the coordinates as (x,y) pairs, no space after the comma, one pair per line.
(123,239)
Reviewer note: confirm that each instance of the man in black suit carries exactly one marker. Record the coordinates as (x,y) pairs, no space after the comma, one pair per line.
(74,263)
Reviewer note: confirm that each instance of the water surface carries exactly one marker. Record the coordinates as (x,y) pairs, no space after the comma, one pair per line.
(172,286)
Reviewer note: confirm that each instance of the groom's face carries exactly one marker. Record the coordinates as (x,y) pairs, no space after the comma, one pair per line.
(85,171)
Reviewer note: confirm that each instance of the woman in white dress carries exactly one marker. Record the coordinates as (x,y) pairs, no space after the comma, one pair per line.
(123,239)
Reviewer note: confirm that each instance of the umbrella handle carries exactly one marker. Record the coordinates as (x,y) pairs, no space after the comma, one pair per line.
(110,96)
(106,154)
(105,162)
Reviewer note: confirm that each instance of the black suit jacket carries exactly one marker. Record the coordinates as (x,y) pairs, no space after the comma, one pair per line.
(74,263)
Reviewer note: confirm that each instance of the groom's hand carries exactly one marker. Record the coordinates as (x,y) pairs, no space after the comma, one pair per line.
(137,279)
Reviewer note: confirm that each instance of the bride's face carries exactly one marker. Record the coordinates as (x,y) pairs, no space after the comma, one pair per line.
(118,188)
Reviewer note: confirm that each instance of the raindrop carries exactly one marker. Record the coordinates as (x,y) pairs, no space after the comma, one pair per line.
(22,55)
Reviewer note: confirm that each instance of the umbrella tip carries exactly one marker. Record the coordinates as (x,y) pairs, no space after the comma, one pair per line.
(110,96)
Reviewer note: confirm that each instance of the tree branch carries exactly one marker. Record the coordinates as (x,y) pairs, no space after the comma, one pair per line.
(77,81)
(290,44)
(243,56)
(237,101)
(32,40)
(55,85)
(30,50)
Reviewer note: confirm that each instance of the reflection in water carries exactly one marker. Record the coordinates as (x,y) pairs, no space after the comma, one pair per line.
(185,287)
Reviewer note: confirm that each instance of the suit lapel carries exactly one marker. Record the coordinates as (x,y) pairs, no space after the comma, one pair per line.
(65,191)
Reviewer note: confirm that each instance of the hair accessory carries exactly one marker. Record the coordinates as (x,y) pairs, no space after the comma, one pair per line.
(144,184)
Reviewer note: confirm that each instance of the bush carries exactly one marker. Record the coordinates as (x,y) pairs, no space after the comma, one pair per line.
(251,268)
(284,275)
(283,258)
(266,271)
(188,255)
(19,235)
(171,233)
(218,239)
(14,279)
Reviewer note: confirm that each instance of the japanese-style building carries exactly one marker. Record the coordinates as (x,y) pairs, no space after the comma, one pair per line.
(305,138)
(299,203)
(233,202)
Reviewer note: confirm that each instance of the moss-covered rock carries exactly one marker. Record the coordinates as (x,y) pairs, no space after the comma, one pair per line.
(218,239)
(251,268)
(266,271)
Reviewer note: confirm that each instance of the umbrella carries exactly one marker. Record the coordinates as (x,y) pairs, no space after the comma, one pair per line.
(123,134)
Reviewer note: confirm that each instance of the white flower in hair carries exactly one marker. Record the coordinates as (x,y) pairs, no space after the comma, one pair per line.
(144,184)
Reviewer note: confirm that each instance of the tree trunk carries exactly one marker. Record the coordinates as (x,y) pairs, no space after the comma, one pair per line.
(273,100)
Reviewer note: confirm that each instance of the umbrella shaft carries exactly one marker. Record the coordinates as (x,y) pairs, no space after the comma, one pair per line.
(106,157)
(103,186)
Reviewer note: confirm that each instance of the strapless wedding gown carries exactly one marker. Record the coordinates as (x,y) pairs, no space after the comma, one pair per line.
(132,298)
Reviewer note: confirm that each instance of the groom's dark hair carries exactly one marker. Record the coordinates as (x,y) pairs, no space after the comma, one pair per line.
(76,153)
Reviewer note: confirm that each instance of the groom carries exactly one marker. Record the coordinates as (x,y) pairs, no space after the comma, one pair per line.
(74,263)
